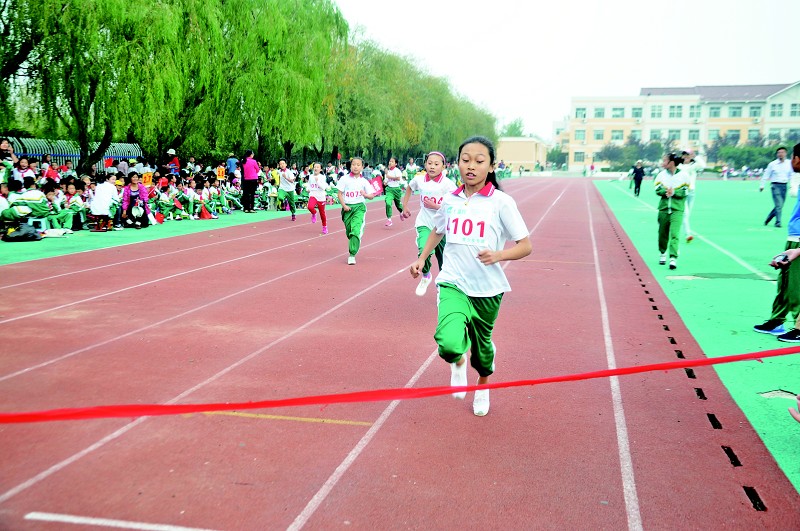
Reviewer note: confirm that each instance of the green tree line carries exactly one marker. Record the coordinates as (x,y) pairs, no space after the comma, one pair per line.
(281,77)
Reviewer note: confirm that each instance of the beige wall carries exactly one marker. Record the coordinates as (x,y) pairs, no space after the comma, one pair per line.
(516,151)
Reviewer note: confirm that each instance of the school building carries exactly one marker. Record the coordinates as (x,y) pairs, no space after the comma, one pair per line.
(681,117)
(524,151)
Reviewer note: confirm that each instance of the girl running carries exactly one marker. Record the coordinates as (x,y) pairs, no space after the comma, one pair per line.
(353,190)
(317,185)
(478,219)
(432,187)
(394,190)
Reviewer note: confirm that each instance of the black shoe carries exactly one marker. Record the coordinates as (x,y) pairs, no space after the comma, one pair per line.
(792,336)
(772,326)
(778,225)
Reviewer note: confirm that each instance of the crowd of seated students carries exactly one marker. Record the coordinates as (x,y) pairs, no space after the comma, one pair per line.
(135,193)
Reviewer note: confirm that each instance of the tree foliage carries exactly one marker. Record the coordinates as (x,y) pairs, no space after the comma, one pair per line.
(212,76)
(515,128)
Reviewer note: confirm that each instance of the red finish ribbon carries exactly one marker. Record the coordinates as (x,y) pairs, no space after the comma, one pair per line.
(406,393)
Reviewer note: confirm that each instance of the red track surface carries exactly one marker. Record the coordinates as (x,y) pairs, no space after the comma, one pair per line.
(270,310)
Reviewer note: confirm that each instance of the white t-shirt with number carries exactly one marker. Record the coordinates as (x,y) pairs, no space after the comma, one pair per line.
(317,184)
(486,220)
(351,186)
(397,174)
(431,188)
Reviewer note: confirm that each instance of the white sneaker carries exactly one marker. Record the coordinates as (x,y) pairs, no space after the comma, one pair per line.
(351,260)
(663,259)
(480,405)
(388,223)
(422,287)
(673,263)
(458,378)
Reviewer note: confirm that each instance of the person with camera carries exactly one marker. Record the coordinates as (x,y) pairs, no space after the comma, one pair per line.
(787,300)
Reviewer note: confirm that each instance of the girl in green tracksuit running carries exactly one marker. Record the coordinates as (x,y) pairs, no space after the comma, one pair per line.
(354,189)
(394,190)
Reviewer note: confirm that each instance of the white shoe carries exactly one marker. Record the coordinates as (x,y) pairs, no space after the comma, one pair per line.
(673,263)
(480,405)
(422,287)
(663,259)
(458,378)
(351,260)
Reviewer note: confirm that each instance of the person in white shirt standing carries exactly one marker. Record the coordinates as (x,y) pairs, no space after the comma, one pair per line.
(691,168)
(778,173)
(432,186)
(477,218)
(394,190)
(353,189)
(317,185)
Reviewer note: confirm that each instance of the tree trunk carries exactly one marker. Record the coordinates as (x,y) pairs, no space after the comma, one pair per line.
(287,150)
(87,158)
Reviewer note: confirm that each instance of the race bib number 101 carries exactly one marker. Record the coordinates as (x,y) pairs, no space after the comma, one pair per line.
(469,225)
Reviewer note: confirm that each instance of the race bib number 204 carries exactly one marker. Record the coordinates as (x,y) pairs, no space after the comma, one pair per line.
(469,225)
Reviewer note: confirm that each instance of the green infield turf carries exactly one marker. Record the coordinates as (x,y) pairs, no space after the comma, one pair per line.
(722,287)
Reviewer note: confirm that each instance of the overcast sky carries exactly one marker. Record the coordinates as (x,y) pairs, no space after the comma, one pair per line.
(527,58)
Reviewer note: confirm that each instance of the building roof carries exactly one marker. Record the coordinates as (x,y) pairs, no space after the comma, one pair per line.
(719,92)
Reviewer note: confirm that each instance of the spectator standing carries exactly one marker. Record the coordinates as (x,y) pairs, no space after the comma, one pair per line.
(691,168)
(787,299)
(249,181)
(638,176)
(778,174)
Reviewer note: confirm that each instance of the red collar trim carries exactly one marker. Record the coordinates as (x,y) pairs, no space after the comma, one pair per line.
(436,179)
(486,191)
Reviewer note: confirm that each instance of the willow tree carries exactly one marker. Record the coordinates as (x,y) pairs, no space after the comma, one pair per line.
(277,56)
(105,67)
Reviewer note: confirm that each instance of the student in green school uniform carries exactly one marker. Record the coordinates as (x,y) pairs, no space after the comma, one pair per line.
(477,218)
(353,190)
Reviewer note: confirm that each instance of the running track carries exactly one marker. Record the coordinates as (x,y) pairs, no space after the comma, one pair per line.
(270,310)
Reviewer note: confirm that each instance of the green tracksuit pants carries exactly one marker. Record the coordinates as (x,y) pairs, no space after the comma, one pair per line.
(422,237)
(393,195)
(353,220)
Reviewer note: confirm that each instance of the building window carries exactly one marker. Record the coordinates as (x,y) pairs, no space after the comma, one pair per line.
(599,112)
(655,111)
(774,134)
(713,134)
(580,134)
(580,112)
(753,134)
(694,134)
(636,112)
(636,135)
(694,111)
(776,110)
(674,134)
(735,112)
(655,135)
(755,112)
(676,111)
(616,134)
(714,112)
(734,135)
(579,156)
(618,112)
(598,134)
(794,110)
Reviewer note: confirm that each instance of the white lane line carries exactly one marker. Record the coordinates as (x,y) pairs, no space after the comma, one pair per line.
(105,522)
(318,498)
(719,248)
(168,277)
(313,504)
(161,255)
(159,322)
(124,429)
(625,459)
(102,442)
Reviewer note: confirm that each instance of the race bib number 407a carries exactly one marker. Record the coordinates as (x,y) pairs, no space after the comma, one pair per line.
(469,225)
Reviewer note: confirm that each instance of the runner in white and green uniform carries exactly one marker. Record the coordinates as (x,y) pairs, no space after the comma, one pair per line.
(432,187)
(394,190)
(286,188)
(353,189)
(477,219)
